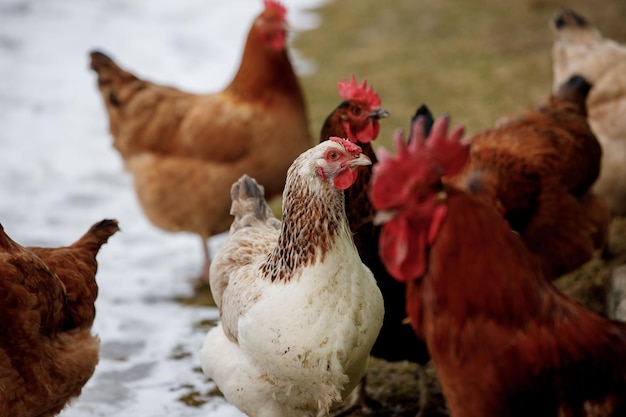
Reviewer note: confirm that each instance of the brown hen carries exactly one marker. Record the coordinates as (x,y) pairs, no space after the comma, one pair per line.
(47,351)
(537,167)
(185,150)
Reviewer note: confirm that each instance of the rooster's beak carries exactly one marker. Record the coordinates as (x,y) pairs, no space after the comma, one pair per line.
(361,160)
(378,114)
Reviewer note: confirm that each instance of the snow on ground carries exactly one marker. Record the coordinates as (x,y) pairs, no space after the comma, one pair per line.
(59,174)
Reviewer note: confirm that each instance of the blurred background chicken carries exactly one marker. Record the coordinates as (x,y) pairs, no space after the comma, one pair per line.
(185,150)
(47,295)
(580,48)
(537,167)
(504,340)
(299,311)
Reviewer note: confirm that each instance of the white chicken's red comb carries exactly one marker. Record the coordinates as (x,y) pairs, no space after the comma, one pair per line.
(275,5)
(352,148)
(351,90)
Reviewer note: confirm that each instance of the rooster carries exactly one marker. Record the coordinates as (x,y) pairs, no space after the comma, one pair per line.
(47,351)
(299,310)
(504,340)
(185,150)
(537,167)
(580,48)
(357,118)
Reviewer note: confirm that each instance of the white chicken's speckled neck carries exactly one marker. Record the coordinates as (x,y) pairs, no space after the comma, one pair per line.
(313,216)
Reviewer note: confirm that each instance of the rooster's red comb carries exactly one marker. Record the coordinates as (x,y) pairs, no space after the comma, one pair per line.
(440,154)
(354,149)
(275,5)
(351,90)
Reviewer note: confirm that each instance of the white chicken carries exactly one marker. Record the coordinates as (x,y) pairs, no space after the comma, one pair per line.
(299,310)
(579,48)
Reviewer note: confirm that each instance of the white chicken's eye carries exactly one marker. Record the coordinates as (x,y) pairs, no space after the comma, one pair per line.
(333,156)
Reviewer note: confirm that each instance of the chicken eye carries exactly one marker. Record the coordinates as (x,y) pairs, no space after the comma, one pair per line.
(333,156)
(356,110)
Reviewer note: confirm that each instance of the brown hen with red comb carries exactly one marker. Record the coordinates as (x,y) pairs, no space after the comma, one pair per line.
(184,150)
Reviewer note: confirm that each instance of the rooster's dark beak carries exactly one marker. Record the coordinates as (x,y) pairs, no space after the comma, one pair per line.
(378,114)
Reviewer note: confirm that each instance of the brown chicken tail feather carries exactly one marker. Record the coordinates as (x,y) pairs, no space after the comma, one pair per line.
(248,198)
(5,241)
(102,63)
(108,71)
(98,235)
(98,57)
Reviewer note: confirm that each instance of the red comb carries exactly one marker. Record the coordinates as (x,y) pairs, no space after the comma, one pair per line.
(348,145)
(275,5)
(447,150)
(442,152)
(353,91)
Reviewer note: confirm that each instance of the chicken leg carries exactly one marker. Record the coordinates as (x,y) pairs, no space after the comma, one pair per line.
(203,279)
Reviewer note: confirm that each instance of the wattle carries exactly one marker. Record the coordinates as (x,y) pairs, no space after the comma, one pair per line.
(345,179)
(369,133)
(402,251)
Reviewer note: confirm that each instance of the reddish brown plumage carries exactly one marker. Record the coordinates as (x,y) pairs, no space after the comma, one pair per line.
(537,166)
(185,150)
(47,351)
(504,340)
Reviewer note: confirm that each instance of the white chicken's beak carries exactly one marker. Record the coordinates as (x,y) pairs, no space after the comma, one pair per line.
(383,216)
(361,160)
